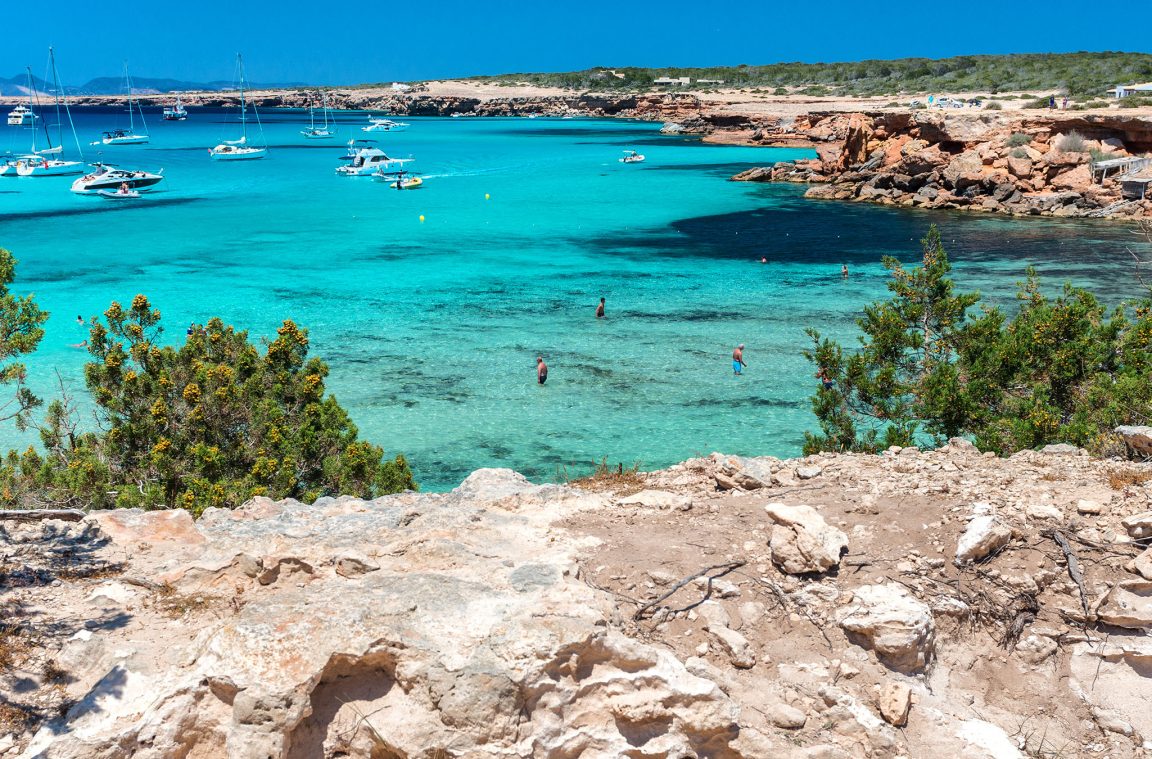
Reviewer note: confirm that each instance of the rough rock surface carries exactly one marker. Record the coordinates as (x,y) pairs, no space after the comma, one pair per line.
(802,542)
(967,161)
(512,619)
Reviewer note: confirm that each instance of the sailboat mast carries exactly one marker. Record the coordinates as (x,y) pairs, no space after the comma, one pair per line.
(31,106)
(243,110)
(128,85)
(67,110)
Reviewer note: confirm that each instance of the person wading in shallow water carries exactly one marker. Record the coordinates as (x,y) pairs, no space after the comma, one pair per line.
(541,370)
(738,359)
(600,310)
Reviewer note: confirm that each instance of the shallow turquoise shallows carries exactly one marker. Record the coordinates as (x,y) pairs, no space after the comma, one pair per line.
(432,328)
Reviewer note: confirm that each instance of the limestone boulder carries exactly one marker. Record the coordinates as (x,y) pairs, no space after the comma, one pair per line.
(1129,604)
(802,542)
(894,624)
(1138,526)
(984,535)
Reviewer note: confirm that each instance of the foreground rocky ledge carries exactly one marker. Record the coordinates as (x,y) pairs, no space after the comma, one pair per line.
(907,604)
(1043,165)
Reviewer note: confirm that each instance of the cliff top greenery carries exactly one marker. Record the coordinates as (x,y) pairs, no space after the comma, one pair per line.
(1073,73)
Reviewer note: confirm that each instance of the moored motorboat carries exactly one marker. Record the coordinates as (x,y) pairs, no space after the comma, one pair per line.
(21,115)
(176,111)
(107,177)
(366,160)
(631,156)
(383,125)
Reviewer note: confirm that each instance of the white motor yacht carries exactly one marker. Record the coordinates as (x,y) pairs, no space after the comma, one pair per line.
(21,115)
(366,161)
(175,112)
(113,179)
(384,125)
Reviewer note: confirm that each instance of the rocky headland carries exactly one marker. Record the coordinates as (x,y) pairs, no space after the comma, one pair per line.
(909,604)
(1059,164)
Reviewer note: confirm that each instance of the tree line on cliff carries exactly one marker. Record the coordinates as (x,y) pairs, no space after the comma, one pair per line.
(1072,73)
(212,422)
(934,363)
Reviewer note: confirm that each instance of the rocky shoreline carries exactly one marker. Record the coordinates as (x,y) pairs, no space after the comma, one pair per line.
(986,162)
(1027,163)
(833,607)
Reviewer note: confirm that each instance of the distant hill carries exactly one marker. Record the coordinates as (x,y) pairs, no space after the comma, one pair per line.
(18,85)
(1075,73)
(114,85)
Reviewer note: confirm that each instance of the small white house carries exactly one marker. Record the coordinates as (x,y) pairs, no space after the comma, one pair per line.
(681,81)
(1124,90)
(709,81)
(400,87)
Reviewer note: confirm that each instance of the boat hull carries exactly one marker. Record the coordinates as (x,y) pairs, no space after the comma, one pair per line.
(318,135)
(51,169)
(136,180)
(132,139)
(238,154)
(117,195)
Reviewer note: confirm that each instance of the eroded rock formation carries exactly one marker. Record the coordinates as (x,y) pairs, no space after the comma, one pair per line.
(726,607)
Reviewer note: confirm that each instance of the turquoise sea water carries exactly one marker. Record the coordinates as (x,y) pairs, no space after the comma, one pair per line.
(432,328)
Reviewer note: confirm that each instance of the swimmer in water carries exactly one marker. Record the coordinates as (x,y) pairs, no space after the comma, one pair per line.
(738,359)
(541,370)
(600,310)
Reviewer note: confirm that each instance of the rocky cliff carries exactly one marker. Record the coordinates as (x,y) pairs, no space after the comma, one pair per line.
(986,162)
(904,605)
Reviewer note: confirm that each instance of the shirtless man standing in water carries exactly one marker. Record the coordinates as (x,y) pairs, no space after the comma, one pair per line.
(541,370)
(600,310)
(738,359)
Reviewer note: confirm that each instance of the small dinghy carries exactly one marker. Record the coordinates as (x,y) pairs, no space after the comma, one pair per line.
(118,194)
(631,156)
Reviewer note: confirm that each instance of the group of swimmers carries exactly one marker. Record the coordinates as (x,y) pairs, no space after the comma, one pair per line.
(738,363)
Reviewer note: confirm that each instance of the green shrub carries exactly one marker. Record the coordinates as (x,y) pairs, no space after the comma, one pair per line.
(780,91)
(1018,139)
(1019,153)
(212,422)
(993,105)
(933,364)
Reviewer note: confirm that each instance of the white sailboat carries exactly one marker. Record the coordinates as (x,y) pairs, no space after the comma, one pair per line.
(47,161)
(240,150)
(314,132)
(128,136)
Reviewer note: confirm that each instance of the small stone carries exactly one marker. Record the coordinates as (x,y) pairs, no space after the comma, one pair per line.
(787,717)
(1089,508)
(808,472)
(895,703)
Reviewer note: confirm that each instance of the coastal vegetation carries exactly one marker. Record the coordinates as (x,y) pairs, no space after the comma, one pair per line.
(934,363)
(212,422)
(1088,74)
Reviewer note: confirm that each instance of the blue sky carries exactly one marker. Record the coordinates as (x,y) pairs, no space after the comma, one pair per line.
(343,43)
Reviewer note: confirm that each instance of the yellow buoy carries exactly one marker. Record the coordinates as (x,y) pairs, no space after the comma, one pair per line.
(421,218)
(487,196)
